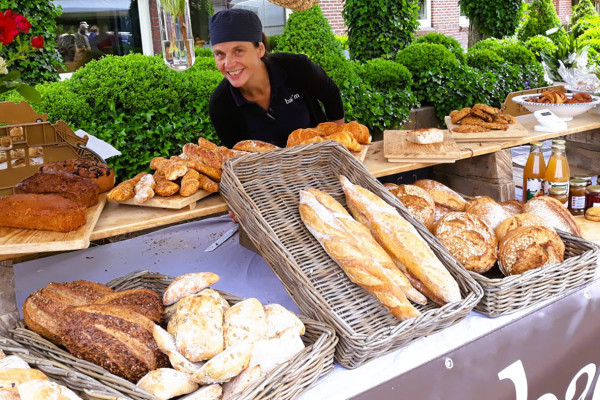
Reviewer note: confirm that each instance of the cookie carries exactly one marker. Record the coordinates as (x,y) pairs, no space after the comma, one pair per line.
(593,214)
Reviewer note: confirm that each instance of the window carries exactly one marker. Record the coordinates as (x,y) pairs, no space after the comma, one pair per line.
(425,13)
(88,30)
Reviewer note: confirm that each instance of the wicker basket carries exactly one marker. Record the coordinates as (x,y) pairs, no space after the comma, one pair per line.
(83,385)
(503,295)
(286,381)
(263,190)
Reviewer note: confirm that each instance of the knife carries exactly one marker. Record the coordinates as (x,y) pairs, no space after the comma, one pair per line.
(222,239)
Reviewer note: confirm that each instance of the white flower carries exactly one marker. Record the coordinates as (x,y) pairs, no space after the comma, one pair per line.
(551,31)
(3,69)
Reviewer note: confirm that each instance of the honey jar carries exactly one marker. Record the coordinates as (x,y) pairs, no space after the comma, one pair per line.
(587,178)
(577,196)
(560,194)
(592,196)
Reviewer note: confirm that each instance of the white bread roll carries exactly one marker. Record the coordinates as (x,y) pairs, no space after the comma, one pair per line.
(212,392)
(241,382)
(166,383)
(166,343)
(244,321)
(225,365)
(188,284)
(279,319)
(269,353)
(13,361)
(45,390)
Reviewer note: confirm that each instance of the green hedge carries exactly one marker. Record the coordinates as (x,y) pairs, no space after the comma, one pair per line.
(448,42)
(541,16)
(538,44)
(585,23)
(584,9)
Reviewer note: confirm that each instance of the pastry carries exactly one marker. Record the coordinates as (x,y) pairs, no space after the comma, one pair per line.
(254,146)
(593,214)
(189,183)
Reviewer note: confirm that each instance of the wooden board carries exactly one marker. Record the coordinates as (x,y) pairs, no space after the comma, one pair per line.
(590,230)
(16,241)
(397,148)
(514,131)
(176,201)
(362,154)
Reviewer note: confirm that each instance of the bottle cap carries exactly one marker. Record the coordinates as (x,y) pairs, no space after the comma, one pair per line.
(578,182)
(536,144)
(593,189)
(559,141)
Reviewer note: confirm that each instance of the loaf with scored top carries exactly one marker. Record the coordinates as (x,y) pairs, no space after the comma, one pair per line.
(553,212)
(442,194)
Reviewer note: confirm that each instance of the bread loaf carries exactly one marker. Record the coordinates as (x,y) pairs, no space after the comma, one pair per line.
(488,210)
(41,389)
(245,321)
(469,240)
(166,383)
(363,261)
(188,284)
(529,247)
(517,221)
(49,212)
(440,211)
(442,194)
(115,338)
(512,207)
(418,202)
(225,365)
(425,136)
(278,319)
(241,382)
(254,146)
(82,191)
(401,240)
(43,310)
(142,301)
(210,392)
(553,212)
(98,172)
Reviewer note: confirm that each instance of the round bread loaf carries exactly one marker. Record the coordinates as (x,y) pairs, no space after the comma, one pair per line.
(418,202)
(529,247)
(517,221)
(593,214)
(442,194)
(390,186)
(513,207)
(98,172)
(254,146)
(553,212)
(469,240)
(488,210)
(440,211)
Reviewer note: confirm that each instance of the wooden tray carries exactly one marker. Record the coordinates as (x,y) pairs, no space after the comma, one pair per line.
(16,241)
(515,130)
(396,148)
(590,230)
(176,201)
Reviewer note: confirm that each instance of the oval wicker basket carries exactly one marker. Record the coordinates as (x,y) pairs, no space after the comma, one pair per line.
(286,381)
(263,190)
(295,5)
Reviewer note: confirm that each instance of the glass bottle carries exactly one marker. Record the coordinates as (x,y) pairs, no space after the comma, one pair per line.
(577,196)
(557,172)
(533,174)
(176,33)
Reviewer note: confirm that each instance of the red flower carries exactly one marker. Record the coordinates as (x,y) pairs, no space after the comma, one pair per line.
(37,42)
(8,28)
(22,23)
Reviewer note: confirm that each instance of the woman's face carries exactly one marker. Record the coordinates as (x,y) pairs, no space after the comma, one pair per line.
(238,61)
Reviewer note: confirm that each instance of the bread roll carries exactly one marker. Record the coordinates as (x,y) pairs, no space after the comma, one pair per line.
(225,365)
(360,257)
(188,284)
(425,136)
(45,390)
(279,318)
(530,247)
(12,362)
(593,214)
(207,144)
(513,207)
(166,343)
(517,221)
(553,212)
(488,210)
(469,240)
(402,241)
(442,194)
(211,392)
(245,321)
(143,301)
(254,146)
(12,378)
(82,191)
(418,202)
(166,383)
(269,353)
(241,382)
(98,172)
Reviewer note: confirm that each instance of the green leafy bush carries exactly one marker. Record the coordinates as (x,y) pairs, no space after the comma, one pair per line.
(385,74)
(484,59)
(205,63)
(585,23)
(448,42)
(343,39)
(538,44)
(39,66)
(585,8)
(489,43)
(422,56)
(541,17)
(493,18)
(273,42)
(517,54)
(592,33)
(203,52)
(379,28)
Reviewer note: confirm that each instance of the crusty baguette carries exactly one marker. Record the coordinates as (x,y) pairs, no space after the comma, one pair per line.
(187,284)
(442,194)
(401,240)
(365,267)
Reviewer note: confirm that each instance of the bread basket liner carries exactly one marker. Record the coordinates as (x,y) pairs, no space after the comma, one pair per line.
(263,191)
(504,295)
(286,381)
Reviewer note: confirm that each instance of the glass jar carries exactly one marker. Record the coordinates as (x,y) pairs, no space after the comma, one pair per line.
(176,33)
(592,196)
(560,194)
(587,178)
(577,196)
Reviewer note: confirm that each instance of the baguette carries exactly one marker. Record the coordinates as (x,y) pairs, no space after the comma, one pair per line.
(365,263)
(401,240)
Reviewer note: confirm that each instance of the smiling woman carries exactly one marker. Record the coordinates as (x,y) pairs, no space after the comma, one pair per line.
(264,96)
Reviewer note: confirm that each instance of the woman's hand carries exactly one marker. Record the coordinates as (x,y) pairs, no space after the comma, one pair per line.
(233,217)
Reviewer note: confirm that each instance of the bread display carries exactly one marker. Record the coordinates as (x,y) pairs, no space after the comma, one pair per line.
(98,172)
(529,247)
(82,191)
(402,241)
(488,210)
(49,212)
(418,202)
(517,221)
(471,241)
(442,194)
(425,136)
(553,212)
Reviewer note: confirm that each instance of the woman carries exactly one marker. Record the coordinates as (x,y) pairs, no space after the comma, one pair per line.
(264,96)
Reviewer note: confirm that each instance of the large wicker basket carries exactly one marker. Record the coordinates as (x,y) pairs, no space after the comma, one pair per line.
(504,295)
(263,191)
(286,381)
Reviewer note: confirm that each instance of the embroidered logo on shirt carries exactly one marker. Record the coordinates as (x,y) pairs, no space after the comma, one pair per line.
(292,98)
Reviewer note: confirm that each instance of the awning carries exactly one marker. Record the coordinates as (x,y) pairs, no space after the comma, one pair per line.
(77,6)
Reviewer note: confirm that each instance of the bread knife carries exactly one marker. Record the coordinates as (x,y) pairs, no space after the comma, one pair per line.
(222,239)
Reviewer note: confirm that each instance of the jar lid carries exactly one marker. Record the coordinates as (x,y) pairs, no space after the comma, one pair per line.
(559,141)
(582,176)
(557,191)
(536,144)
(593,189)
(558,146)
(578,182)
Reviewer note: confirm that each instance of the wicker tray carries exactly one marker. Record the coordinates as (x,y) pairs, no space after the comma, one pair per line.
(263,191)
(286,381)
(503,295)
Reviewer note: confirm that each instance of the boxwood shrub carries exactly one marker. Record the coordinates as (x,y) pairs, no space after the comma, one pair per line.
(448,42)
(538,44)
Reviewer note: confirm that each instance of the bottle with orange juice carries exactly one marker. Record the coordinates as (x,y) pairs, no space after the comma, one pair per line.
(557,172)
(534,172)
